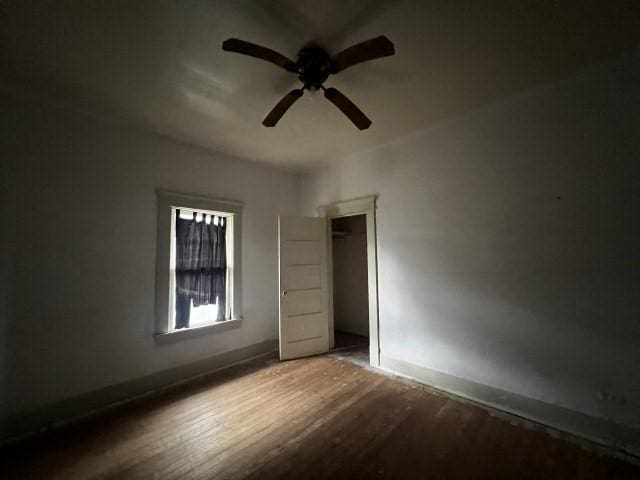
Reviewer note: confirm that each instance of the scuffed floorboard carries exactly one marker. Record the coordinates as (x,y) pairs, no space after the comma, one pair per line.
(316,418)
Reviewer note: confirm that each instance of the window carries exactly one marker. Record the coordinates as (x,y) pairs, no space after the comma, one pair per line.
(198,264)
(198,267)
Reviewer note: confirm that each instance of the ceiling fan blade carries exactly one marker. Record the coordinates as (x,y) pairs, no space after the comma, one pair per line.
(257,51)
(347,107)
(280,109)
(362,52)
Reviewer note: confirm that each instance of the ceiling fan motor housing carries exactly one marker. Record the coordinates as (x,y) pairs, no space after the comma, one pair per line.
(313,66)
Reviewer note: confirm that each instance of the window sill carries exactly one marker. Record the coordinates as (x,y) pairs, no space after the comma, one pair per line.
(195,332)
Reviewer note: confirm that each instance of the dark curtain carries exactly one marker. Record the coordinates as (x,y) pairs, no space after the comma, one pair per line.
(201,266)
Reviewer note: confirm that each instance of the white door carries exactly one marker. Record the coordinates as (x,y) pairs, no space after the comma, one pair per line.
(304,320)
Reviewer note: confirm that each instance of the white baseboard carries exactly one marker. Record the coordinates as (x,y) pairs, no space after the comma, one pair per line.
(77,408)
(614,437)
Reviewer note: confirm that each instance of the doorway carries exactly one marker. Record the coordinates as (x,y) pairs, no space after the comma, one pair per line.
(364,208)
(306,303)
(350,284)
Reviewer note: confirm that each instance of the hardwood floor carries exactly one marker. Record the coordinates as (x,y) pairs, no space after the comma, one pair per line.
(320,417)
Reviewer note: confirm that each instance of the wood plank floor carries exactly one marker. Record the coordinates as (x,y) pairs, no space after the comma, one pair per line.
(316,418)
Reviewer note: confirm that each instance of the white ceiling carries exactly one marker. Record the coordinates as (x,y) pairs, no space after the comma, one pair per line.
(159,64)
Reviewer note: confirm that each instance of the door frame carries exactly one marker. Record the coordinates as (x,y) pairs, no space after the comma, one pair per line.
(358,206)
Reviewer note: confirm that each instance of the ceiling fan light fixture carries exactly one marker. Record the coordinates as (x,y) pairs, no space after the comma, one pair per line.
(313,67)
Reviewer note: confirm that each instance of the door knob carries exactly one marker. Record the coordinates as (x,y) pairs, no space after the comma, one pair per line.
(284,293)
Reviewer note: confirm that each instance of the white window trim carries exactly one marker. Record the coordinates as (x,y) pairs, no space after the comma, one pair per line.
(166,201)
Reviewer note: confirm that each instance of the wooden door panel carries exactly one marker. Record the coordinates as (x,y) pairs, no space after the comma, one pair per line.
(304,319)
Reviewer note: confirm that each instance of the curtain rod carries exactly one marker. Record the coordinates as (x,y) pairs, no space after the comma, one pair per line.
(204,212)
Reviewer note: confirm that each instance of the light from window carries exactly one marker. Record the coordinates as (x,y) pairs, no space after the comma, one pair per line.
(200,267)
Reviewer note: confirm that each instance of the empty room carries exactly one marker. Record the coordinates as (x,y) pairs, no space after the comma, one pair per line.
(282,239)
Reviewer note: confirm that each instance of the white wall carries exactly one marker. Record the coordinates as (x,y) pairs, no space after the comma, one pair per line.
(508,242)
(79,234)
(350,285)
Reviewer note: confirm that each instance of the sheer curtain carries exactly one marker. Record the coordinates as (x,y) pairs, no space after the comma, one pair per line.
(201,265)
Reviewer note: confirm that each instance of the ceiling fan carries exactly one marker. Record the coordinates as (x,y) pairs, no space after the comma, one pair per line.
(313,67)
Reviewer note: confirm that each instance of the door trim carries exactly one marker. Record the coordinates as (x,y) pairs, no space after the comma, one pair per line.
(358,206)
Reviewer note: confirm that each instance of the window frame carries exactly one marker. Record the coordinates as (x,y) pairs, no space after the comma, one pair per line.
(166,202)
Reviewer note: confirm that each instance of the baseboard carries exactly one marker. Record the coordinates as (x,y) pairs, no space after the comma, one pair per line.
(616,438)
(19,426)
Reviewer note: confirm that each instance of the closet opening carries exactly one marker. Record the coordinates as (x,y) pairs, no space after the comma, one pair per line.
(350,284)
